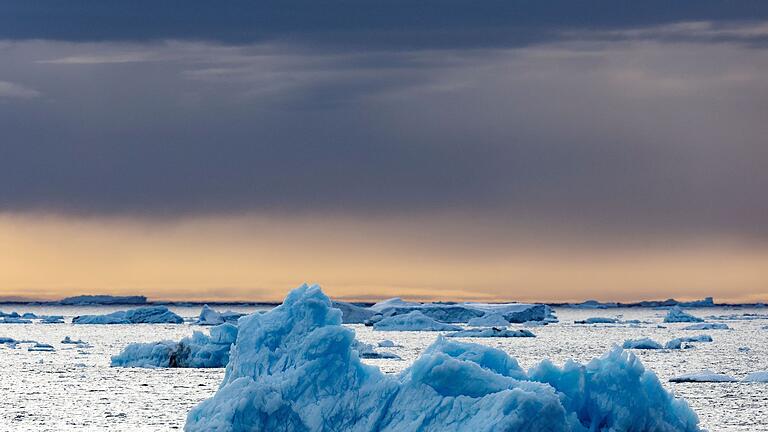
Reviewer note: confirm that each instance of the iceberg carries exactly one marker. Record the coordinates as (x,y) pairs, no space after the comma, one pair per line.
(353,314)
(29,315)
(707,326)
(103,300)
(676,315)
(414,321)
(38,346)
(9,315)
(491,332)
(463,312)
(386,343)
(705,376)
(644,343)
(598,320)
(209,316)
(591,304)
(12,320)
(142,315)
(196,351)
(677,343)
(759,377)
(7,340)
(489,320)
(69,340)
(367,351)
(52,319)
(295,368)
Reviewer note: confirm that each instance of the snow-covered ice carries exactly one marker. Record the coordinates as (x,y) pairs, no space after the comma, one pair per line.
(707,326)
(490,319)
(463,312)
(413,321)
(704,376)
(196,351)
(677,343)
(491,332)
(210,317)
(760,377)
(676,315)
(148,315)
(644,343)
(295,369)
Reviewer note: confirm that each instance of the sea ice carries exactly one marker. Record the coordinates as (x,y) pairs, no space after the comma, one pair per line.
(41,347)
(676,315)
(491,332)
(414,321)
(68,340)
(705,376)
(489,320)
(367,351)
(148,314)
(707,326)
(644,343)
(598,320)
(760,376)
(677,343)
(463,312)
(386,343)
(196,351)
(295,368)
(209,316)
(12,320)
(353,314)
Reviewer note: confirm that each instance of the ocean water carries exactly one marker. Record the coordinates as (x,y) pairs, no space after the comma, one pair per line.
(75,388)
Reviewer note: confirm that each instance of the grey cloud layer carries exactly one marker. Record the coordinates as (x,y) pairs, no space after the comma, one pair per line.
(622,124)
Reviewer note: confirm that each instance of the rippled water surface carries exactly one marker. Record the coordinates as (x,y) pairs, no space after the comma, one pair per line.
(75,389)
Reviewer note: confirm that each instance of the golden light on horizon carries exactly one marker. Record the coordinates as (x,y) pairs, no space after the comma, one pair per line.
(252,258)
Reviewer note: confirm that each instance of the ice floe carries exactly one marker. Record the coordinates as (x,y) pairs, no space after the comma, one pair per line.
(463,312)
(295,368)
(148,315)
(707,326)
(760,376)
(644,343)
(196,351)
(209,316)
(38,346)
(413,321)
(677,343)
(676,315)
(489,320)
(597,320)
(704,376)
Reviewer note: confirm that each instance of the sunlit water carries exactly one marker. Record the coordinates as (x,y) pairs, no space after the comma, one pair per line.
(75,389)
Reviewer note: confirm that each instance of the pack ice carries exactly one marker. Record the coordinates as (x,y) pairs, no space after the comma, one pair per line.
(295,369)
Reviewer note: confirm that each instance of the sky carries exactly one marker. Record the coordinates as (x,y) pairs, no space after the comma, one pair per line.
(503,150)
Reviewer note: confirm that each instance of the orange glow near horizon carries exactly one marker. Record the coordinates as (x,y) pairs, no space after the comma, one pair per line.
(260,259)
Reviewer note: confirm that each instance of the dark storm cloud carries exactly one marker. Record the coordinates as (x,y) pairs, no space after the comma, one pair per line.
(396,24)
(599,117)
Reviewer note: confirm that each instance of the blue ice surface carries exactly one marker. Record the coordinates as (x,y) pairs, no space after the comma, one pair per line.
(491,332)
(142,315)
(294,368)
(353,314)
(490,319)
(463,312)
(676,314)
(644,343)
(413,321)
(209,316)
(197,351)
(677,343)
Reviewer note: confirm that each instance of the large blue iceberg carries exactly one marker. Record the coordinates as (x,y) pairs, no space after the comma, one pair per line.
(295,369)
(142,315)
(197,351)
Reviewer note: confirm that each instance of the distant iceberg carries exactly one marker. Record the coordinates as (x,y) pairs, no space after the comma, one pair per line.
(705,376)
(490,319)
(142,315)
(209,316)
(294,368)
(38,346)
(597,320)
(676,315)
(353,314)
(103,300)
(592,304)
(414,321)
(196,351)
(12,320)
(491,332)
(707,326)
(367,351)
(52,319)
(677,343)
(454,313)
(644,344)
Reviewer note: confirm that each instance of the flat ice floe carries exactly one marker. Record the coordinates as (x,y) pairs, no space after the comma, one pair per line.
(294,368)
(491,332)
(597,320)
(760,376)
(413,321)
(676,315)
(677,343)
(644,343)
(196,351)
(704,376)
(707,326)
(142,315)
